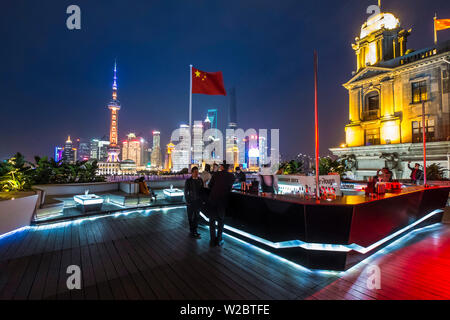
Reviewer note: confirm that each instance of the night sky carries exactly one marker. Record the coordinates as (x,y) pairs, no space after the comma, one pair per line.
(55,82)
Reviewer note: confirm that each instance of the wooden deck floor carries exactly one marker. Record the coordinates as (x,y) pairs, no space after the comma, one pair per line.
(148,255)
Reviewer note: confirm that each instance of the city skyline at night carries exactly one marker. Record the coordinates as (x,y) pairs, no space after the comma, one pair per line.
(59,88)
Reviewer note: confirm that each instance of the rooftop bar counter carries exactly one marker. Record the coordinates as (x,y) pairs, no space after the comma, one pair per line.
(331,234)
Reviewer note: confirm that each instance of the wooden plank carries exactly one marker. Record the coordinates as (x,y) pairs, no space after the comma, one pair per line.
(89,286)
(14,271)
(37,289)
(28,277)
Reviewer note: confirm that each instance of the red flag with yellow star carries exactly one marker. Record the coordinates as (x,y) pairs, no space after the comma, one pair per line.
(442,24)
(208,82)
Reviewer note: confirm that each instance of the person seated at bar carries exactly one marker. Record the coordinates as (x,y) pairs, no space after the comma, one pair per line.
(384,175)
(416,173)
(193,195)
(267,180)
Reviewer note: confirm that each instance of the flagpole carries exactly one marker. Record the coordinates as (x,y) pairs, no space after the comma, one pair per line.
(435,31)
(316,123)
(190,113)
(424,138)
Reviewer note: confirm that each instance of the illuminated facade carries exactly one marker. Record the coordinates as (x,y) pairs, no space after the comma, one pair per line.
(232,150)
(180,154)
(197,143)
(156,161)
(58,153)
(134,149)
(99,149)
(386,95)
(169,165)
(69,152)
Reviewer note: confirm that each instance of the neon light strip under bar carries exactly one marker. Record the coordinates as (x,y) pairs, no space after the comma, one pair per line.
(325,247)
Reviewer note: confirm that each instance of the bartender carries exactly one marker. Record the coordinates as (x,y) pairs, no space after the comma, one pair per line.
(384,175)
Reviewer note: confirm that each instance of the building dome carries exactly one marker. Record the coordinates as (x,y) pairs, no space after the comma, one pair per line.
(380,21)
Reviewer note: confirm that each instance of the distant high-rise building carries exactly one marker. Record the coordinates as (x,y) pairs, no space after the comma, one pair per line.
(114,106)
(94,154)
(168,165)
(206,123)
(99,149)
(197,142)
(253,152)
(58,153)
(84,151)
(180,154)
(212,115)
(156,161)
(263,157)
(232,110)
(231,149)
(69,152)
(211,123)
(133,149)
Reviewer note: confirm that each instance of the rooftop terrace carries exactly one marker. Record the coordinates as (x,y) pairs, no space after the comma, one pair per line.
(147,254)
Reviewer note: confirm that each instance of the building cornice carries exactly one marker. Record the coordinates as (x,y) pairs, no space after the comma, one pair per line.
(390,72)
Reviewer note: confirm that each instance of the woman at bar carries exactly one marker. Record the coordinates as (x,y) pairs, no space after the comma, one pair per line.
(267,180)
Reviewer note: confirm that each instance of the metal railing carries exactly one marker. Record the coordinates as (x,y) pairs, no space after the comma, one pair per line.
(368,115)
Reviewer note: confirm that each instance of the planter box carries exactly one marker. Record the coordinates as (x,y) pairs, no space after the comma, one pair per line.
(16,213)
(77,188)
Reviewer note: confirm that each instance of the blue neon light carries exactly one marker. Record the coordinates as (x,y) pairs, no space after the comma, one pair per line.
(81,220)
(323,246)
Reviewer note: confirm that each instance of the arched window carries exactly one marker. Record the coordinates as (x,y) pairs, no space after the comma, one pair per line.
(371,109)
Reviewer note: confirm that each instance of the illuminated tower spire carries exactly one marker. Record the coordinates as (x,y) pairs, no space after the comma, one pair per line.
(114,87)
(114,106)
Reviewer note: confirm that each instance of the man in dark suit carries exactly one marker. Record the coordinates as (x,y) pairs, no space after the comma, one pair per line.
(193,195)
(220,186)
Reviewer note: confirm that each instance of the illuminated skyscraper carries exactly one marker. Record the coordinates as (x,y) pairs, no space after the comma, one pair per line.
(212,115)
(114,106)
(169,165)
(232,150)
(156,161)
(83,151)
(69,152)
(263,157)
(133,149)
(253,152)
(232,111)
(197,142)
(58,153)
(180,154)
(206,123)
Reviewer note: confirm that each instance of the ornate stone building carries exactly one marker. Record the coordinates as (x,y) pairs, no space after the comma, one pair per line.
(386,94)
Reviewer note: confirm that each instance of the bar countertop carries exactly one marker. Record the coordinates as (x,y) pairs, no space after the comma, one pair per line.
(346,200)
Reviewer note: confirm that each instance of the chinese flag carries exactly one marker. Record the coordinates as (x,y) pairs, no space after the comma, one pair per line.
(207,82)
(442,24)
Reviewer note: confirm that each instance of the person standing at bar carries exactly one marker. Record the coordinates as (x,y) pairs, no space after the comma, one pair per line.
(206,175)
(220,186)
(192,193)
(240,175)
(267,180)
